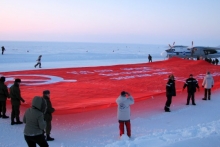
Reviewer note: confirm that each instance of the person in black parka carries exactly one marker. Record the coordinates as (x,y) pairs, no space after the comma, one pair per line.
(4,94)
(191,85)
(170,92)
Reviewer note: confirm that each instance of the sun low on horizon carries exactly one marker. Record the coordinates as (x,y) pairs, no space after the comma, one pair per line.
(156,22)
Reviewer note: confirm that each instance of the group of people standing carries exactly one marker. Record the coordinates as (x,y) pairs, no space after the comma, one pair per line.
(37,118)
(191,84)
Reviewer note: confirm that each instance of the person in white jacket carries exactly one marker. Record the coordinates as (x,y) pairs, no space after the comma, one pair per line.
(207,83)
(124,101)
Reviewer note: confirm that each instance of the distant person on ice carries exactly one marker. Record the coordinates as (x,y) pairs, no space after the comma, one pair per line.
(149,58)
(170,92)
(191,85)
(3,49)
(38,62)
(207,83)
(35,124)
(124,101)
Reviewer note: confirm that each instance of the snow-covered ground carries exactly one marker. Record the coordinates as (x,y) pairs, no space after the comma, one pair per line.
(151,127)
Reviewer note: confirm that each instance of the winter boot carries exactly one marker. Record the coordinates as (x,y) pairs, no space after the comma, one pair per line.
(204,98)
(12,121)
(18,121)
(49,138)
(4,116)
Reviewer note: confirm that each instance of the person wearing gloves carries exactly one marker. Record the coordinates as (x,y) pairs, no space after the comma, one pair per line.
(35,124)
(48,114)
(15,95)
(207,83)
(124,101)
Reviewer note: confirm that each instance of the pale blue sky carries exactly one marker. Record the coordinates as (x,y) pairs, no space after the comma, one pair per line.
(113,21)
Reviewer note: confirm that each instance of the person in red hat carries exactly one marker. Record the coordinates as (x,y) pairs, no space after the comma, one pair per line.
(15,95)
(191,84)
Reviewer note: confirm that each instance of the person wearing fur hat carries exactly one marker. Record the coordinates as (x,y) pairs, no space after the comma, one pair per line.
(4,94)
(48,114)
(170,92)
(207,83)
(191,84)
(123,114)
(15,95)
(35,124)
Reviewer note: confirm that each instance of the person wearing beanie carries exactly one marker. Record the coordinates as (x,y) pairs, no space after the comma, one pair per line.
(15,95)
(191,85)
(35,124)
(207,83)
(4,94)
(170,92)
(48,114)
(123,114)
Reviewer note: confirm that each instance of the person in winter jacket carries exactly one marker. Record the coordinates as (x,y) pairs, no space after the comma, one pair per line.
(48,114)
(4,94)
(191,85)
(207,83)
(124,101)
(38,62)
(170,92)
(16,99)
(35,124)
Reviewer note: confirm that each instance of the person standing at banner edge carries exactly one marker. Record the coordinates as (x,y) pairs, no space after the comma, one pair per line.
(4,94)
(149,58)
(35,124)
(191,85)
(16,99)
(207,83)
(170,92)
(123,114)
(48,114)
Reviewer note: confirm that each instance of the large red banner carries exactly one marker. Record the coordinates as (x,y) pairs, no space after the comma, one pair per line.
(87,88)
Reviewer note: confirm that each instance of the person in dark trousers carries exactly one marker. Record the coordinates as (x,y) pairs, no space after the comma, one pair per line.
(4,94)
(191,85)
(170,92)
(149,58)
(207,83)
(38,62)
(3,49)
(16,99)
(216,61)
(35,124)
(123,114)
(48,114)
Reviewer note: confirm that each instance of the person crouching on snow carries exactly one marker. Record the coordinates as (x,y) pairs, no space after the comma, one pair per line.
(170,92)
(35,124)
(124,101)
